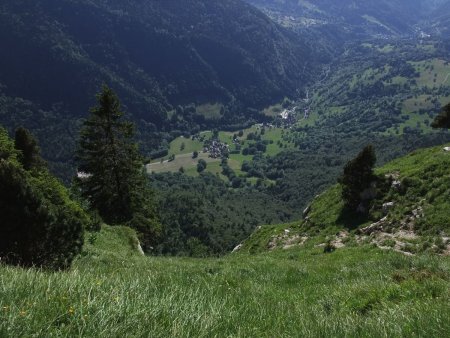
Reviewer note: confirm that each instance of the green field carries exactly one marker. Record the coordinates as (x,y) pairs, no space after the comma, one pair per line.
(210,111)
(183,160)
(190,146)
(113,291)
(433,73)
(183,148)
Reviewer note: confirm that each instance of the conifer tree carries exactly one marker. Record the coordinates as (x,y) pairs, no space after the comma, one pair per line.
(109,159)
(443,119)
(113,178)
(39,224)
(357,177)
(30,152)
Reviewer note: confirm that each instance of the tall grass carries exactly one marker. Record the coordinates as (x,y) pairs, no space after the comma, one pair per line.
(353,292)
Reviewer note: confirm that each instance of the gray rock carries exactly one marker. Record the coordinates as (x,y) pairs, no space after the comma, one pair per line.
(139,248)
(387,206)
(396,184)
(374,227)
(237,248)
(306,211)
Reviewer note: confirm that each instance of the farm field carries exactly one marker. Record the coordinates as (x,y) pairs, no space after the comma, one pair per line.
(183,148)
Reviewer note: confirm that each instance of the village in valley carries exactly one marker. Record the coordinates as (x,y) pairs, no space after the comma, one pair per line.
(235,148)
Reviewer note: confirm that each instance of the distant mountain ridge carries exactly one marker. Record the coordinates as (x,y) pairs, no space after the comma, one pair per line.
(354,19)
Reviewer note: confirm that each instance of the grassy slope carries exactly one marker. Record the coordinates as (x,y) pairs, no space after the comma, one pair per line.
(433,73)
(357,291)
(112,291)
(425,177)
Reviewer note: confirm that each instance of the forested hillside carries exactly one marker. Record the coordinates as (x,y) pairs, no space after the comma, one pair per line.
(156,54)
(199,74)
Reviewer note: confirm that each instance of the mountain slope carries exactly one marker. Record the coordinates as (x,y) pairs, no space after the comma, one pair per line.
(440,19)
(356,292)
(156,53)
(410,214)
(346,20)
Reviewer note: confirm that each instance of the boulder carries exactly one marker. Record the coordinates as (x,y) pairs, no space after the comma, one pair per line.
(387,206)
(374,227)
(306,211)
(396,184)
(237,248)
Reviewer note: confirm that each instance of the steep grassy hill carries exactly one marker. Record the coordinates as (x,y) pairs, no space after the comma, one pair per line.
(410,214)
(114,291)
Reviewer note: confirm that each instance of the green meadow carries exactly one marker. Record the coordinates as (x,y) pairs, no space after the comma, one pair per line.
(183,148)
(114,291)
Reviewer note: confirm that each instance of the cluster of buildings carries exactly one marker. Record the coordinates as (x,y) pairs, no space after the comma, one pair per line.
(289,116)
(217,149)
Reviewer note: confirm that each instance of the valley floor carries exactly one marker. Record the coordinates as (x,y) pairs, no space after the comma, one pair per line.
(300,292)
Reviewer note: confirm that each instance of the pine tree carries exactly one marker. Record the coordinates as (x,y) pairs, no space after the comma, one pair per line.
(30,151)
(357,177)
(39,224)
(113,178)
(109,159)
(443,119)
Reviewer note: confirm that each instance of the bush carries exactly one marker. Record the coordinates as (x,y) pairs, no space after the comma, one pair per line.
(39,224)
(201,165)
(329,247)
(148,230)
